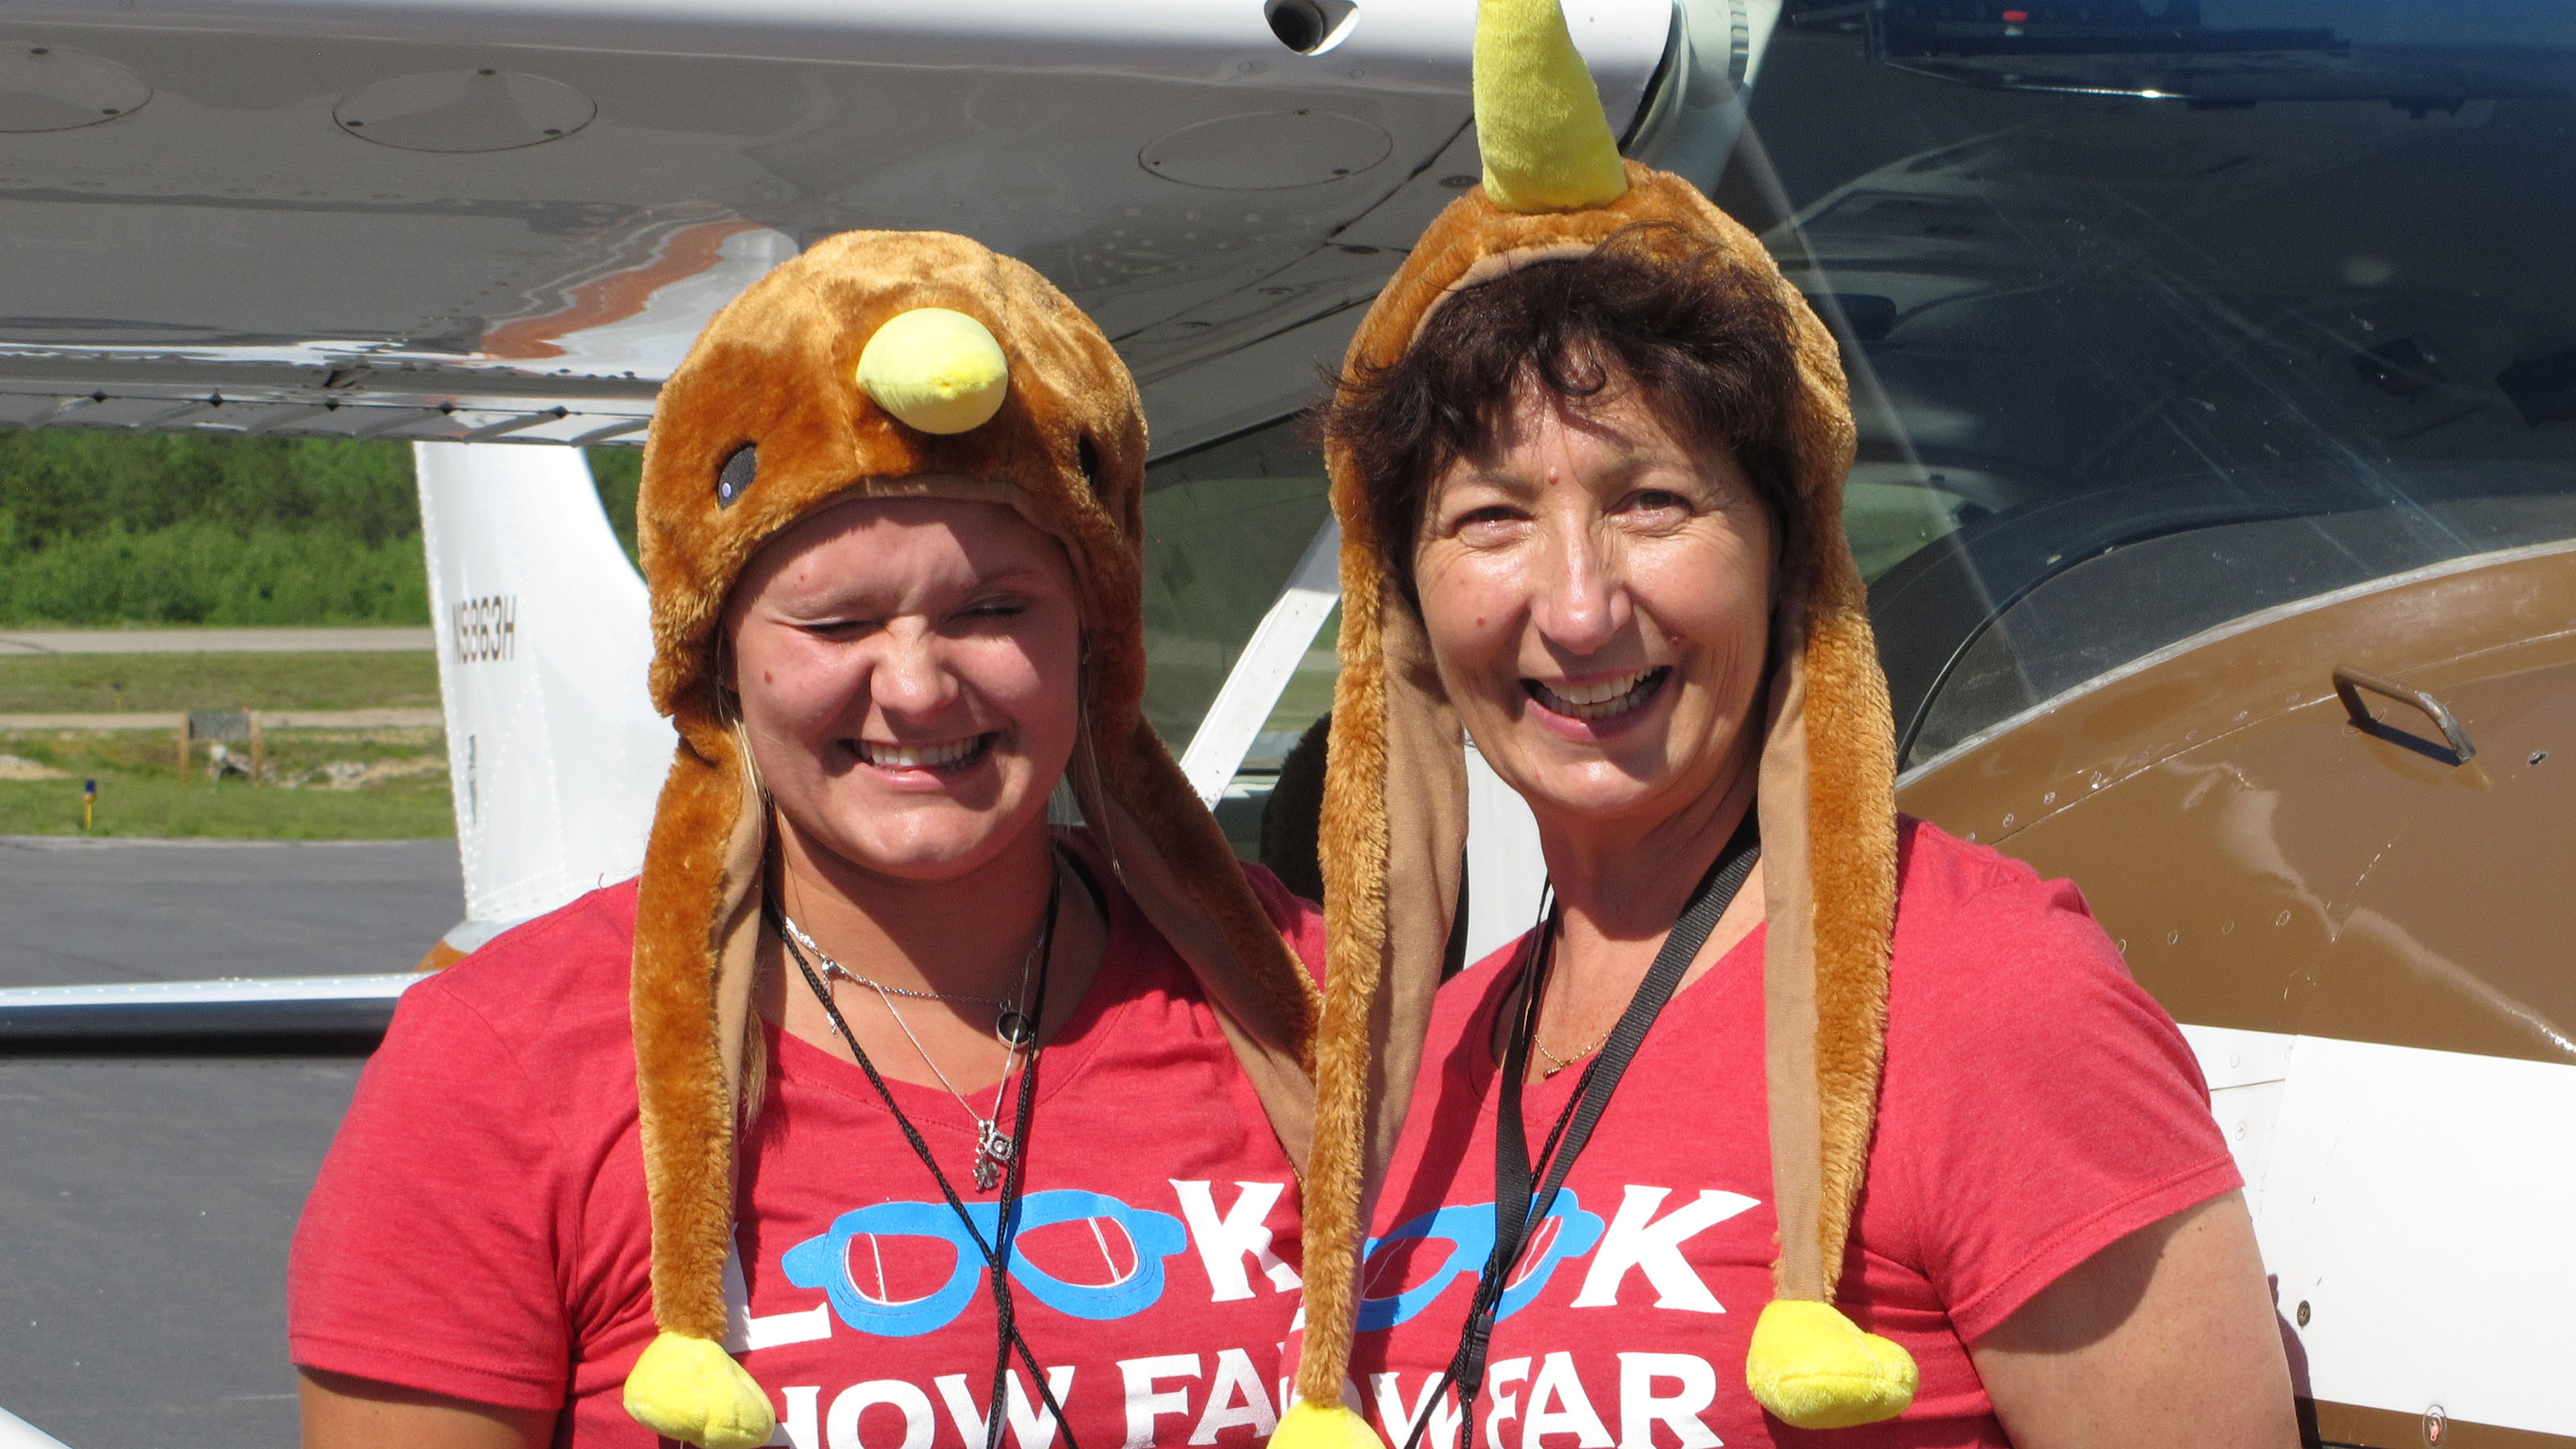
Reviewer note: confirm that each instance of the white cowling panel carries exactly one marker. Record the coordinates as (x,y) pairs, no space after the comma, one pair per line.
(555,751)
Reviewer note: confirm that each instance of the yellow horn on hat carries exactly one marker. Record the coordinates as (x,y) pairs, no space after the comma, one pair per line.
(935,370)
(1547,146)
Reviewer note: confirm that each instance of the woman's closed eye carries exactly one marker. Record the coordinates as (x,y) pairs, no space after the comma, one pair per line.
(1490,524)
(1655,507)
(839,631)
(989,613)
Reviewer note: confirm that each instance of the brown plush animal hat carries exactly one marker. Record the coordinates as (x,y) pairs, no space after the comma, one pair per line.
(886,364)
(1395,810)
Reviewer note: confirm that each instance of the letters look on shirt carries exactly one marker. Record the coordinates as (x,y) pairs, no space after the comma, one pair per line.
(1155,1282)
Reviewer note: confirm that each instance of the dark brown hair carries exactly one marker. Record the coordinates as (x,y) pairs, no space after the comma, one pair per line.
(1707,344)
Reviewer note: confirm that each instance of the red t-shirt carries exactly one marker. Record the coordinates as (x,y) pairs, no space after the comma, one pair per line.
(2037,1106)
(480,1229)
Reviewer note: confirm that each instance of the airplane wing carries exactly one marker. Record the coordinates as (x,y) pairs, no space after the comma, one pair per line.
(477,220)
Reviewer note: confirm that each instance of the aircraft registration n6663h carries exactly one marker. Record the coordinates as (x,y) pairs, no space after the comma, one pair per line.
(2216,372)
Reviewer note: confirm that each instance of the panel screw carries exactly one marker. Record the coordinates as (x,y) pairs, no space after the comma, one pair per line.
(2303,1313)
(2537,756)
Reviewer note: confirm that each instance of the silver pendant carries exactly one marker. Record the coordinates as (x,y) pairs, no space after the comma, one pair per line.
(992,1153)
(1016,1031)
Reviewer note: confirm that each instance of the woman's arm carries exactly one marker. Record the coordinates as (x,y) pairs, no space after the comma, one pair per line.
(341,1412)
(2166,1337)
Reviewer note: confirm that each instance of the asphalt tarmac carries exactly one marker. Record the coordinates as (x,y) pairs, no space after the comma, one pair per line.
(92,911)
(147,1200)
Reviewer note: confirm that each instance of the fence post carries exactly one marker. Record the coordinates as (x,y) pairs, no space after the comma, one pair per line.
(256,756)
(183,749)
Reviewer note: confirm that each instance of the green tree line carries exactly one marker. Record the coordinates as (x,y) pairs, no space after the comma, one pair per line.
(182,528)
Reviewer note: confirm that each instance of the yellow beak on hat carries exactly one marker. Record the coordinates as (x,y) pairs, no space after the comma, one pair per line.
(936,370)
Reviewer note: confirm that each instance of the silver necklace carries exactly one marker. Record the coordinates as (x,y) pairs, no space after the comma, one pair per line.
(993,1146)
(1012,1026)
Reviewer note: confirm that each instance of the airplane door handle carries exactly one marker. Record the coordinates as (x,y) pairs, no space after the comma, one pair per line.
(2350,682)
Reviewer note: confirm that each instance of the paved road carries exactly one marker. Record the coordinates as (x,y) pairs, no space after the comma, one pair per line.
(215,641)
(101,910)
(146,1203)
(149,1205)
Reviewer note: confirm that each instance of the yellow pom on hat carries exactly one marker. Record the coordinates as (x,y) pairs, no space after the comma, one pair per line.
(936,370)
(1309,1424)
(691,1390)
(1546,145)
(1814,1369)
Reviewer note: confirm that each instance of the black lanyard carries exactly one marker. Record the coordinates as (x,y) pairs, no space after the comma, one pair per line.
(997,1254)
(1517,1209)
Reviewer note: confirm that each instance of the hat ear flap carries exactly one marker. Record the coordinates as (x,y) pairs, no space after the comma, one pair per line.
(1810,1366)
(697,926)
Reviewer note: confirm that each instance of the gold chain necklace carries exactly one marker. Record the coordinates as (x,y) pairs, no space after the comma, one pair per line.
(1557,1063)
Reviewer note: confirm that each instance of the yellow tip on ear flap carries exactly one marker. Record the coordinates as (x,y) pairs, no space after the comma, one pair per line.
(691,1389)
(1310,1425)
(1547,146)
(935,370)
(1814,1369)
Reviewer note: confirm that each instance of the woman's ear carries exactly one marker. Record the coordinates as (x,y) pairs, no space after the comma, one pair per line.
(724,678)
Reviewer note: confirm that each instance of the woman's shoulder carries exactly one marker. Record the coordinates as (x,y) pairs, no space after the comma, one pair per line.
(1300,922)
(555,983)
(1298,919)
(1984,942)
(1944,883)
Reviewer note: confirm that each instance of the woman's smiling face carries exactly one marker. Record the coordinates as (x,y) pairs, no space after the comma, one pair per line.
(908,671)
(1597,594)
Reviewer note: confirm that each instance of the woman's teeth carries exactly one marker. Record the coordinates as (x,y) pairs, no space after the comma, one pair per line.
(920,757)
(1600,699)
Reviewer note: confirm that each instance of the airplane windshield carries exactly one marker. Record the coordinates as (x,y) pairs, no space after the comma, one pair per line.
(2152,323)
(2151,327)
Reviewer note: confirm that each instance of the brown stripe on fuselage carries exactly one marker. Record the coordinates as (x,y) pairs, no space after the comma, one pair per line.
(2324,1422)
(2268,866)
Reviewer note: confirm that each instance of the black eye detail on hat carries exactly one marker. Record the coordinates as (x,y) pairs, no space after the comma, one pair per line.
(1087,457)
(734,478)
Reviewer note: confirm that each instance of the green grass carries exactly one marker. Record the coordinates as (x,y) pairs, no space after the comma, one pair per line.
(105,683)
(140,794)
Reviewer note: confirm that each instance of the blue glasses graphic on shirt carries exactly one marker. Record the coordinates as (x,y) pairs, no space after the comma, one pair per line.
(1468,1229)
(823,1261)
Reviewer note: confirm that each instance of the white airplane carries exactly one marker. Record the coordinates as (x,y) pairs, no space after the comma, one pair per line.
(2211,368)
